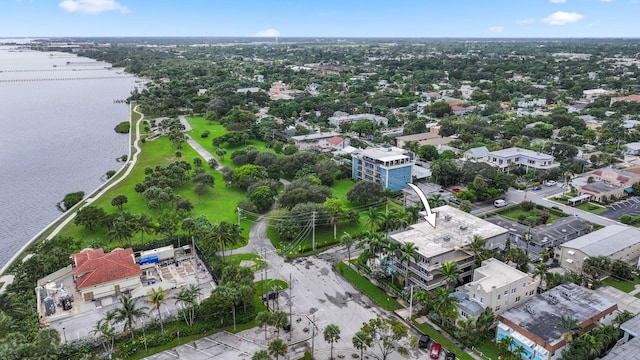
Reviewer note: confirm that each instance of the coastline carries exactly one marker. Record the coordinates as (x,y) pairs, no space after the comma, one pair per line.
(60,222)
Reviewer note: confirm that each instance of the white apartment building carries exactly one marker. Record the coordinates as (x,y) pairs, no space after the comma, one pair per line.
(521,157)
(498,286)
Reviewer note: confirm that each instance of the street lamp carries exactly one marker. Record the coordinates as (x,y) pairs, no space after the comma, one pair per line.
(64,333)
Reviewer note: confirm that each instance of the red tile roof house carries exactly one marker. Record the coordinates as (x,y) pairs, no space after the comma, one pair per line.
(99,275)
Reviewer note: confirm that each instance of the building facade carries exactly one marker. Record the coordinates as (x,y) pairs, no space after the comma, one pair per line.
(498,286)
(617,242)
(522,158)
(390,166)
(454,231)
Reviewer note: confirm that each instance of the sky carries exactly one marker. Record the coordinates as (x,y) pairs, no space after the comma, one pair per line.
(321,18)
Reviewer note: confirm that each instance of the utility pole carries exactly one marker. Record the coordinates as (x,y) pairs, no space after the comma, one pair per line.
(239,214)
(290,312)
(313,236)
(264,257)
(313,334)
(411,303)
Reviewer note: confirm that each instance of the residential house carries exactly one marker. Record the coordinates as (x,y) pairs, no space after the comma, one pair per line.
(628,347)
(454,231)
(340,118)
(390,166)
(617,242)
(522,158)
(611,182)
(532,103)
(535,324)
(592,94)
(459,110)
(248,90)
(476,154)
(423,139)
(632,148)
(628,98)
(98,274)
(495,285)
(327,140)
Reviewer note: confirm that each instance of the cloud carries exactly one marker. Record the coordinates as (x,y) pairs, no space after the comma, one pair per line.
(496,29)
(268,33)
(92,6)
(558,1)
(525,21)
(562,17)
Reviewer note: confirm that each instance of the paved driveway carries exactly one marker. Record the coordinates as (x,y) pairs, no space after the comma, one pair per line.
(630,206)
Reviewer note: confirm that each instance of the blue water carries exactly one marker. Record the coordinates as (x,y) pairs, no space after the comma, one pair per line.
(56,136)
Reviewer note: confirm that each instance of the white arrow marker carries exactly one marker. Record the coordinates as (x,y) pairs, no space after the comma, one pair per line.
(431,217)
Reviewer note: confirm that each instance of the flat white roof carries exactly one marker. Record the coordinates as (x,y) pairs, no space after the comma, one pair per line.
(384,153)
(495,273)
(454,229)
(522,152)
(605,242)
(316,136)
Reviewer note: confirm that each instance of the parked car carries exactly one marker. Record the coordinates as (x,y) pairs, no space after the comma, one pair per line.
(450,356)
(551,183)
(423,341)
(556,208)
(499,203)
(456,190)
(454,200)
(536,188)
(435,350)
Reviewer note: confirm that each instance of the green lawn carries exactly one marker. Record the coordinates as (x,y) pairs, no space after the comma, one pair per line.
(488,350)
(622,285)
(199,124)
(279,284)
(219,205)
(592,208)
(237,258)
(437,336)
(516,212)
(374,293)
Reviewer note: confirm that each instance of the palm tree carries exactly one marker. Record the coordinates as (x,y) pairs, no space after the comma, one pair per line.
(373,218)
(436,200)
(277,348)
(128,313)
(362,340)
(144,225)
(413,214)
(375,242)
(261,355)
(518,351)
(571,327)
(451,273)
(347,241)
(157,298)
(331,335)
(445,304)
(477,247)
(279,321)
(389,222)
(263,319)
(121,229)
(504,345)
(467,326)
(407,252)
(105,332)
(591,346)
(542,270)
(622,317)
(188,297)
(423,298)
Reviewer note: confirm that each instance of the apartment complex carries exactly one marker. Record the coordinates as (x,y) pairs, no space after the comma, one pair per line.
(454,230)
(495,285)
(340,118)
(611,182)
(390,166)
(535,324)
(617,242)
(320,141)
(520,157)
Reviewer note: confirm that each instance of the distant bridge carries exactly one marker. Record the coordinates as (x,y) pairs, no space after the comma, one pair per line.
(66,78)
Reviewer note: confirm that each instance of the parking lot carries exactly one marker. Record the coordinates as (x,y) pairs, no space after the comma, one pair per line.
(630,206)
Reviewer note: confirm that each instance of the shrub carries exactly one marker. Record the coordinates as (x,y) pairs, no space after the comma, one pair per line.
(205,134)
(527,205)
(110,174)
(72,199)
(123,127)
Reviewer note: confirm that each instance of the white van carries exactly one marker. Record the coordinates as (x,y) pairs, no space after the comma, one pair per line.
(499,203)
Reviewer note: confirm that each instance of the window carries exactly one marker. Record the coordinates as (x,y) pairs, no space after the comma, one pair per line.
(498,296)
(497,308)
(517,298)
(513,291)
(524,284)
(506,292)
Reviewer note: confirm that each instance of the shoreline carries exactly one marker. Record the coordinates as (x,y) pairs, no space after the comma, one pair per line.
(58,224)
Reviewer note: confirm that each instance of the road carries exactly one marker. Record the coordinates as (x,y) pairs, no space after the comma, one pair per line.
(541,196)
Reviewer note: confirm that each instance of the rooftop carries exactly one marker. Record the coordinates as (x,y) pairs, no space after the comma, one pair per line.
(627,351)
(316,136)
(94,267)
(417,137)
(495,274)
(384,153)
(607,241)
(540,316)
(524,152)
(454,229)
(632,326)
(562,228)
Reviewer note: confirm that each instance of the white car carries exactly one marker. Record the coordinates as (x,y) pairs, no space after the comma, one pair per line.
(551,183)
